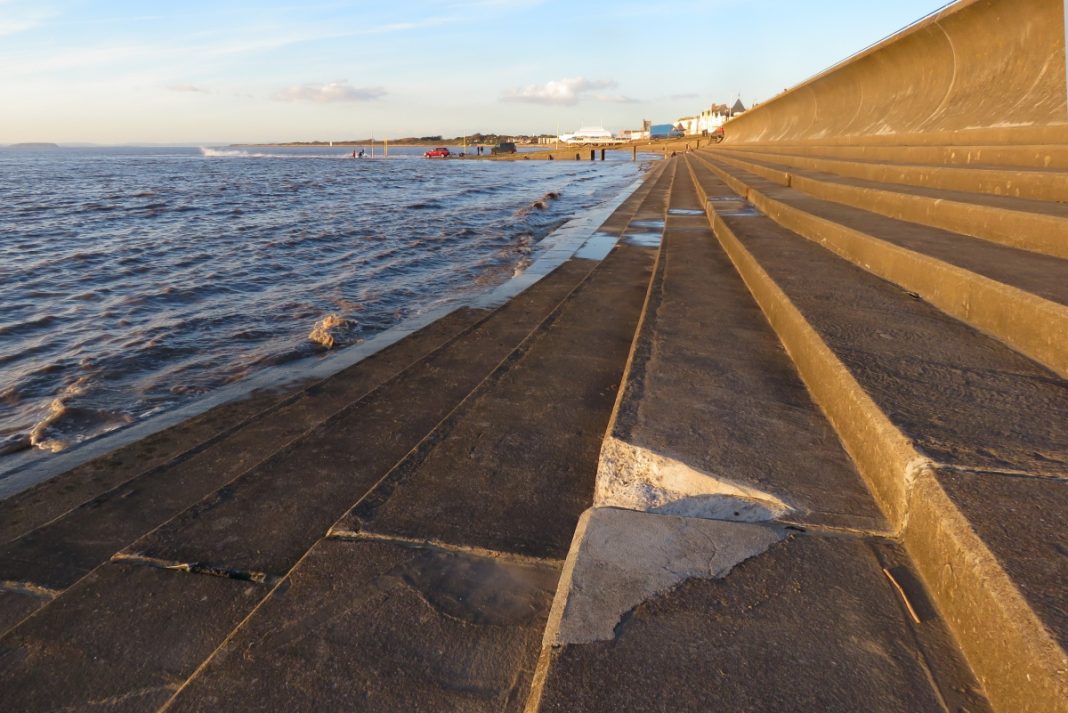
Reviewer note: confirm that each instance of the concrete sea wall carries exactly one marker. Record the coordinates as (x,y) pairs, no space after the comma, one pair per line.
(980,71)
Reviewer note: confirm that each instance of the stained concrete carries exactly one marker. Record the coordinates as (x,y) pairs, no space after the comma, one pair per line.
(379,626)
(812,624)
(621,558)
(123,639)
(1022,521)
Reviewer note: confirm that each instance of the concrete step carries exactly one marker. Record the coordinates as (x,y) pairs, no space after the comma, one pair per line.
(1038,226)
(664,613)
(708,387)
(721,483)
(963,441)
(237,546)
(1047,156)
(1017,296)
(1031,183)
(442,575)
(50,556)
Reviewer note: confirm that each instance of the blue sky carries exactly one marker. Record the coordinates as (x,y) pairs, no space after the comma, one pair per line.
(212,72)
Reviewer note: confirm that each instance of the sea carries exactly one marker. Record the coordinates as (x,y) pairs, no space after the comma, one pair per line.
(134,280)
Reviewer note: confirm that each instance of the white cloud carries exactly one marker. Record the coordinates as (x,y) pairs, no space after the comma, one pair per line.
(188,88)
(563,92)
(22,16)
(340,91)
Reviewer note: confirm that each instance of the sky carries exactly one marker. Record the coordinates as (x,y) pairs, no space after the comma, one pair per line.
(117,72)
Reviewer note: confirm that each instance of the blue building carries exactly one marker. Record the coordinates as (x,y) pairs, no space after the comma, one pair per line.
(664,131)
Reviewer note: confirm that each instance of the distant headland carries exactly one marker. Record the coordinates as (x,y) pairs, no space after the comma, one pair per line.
(34,145)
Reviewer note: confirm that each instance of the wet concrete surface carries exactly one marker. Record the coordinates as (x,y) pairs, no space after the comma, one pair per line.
(59,553)
(184,574)
(381,626)
(53,498)
(514,468)
(123,639)
(266,519)
(812,624)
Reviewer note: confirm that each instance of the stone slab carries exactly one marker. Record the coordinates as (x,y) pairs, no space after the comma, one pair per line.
(379,626)
(714,417)
(812,624)
(514,468)
(266,519)
(58,553)
(123,639)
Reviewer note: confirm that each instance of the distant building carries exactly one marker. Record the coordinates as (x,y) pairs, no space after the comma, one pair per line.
(687,125)
(589,135)
(664,131)
(738,108)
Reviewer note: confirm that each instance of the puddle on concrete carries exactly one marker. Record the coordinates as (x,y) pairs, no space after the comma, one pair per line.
(644,240)
(597,247)
(480,590)
(739,213)
(685,211)
(734,207)
(658,224)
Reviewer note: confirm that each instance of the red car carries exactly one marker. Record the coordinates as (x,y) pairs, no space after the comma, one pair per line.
(440,152)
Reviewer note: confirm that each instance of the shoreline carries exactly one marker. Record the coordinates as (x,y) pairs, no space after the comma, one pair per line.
(555,248)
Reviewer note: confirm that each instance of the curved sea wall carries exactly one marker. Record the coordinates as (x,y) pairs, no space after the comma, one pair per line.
(980,71)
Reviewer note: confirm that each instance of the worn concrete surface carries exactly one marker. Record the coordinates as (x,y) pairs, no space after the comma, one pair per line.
(514,467)
(621,558)
(17,604)
(1016,222)
(54,498)
(977,593)
(714,420)
(963,397)
(149,617)
(56,554)
(1038,274)
(1012,294)
(379,626)
(812,624)
(1031,183)
(262,523)
(123,639)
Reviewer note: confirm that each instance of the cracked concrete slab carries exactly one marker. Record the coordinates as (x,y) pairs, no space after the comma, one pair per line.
(714,420)
(375,625)
(621,558)
(122,639)
(810,624)
(635,478)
